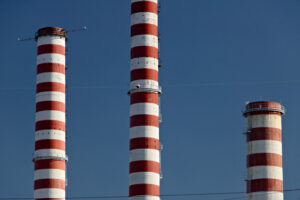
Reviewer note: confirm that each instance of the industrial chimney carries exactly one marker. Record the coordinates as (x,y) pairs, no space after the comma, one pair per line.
(144,178)
(50,126)
(264,150)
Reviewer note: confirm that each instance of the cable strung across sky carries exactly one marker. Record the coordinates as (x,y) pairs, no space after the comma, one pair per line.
(185,195)
(275,82)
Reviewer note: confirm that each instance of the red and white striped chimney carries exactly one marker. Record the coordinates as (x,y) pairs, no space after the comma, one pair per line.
(264,150)
(50,156)
(144,178)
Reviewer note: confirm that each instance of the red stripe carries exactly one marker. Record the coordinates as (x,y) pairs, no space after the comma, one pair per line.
(51,67)
(50,87)
(144,6)
(139,74)
(144,143)
(144,120)
(50,144)
(143,189)
(263,113)
(49,183)
(264,159)
(50,124)
(261,185)
(51,48)
(50,199)
(50,164)
(144,29)
(141,97)
(144,51)
(264,134)
(50,105)
(144,166)
(263,104)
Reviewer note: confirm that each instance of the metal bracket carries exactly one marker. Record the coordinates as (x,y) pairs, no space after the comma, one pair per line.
(160,168)
(247,132)
(35,158)
(280,110)
(144,89)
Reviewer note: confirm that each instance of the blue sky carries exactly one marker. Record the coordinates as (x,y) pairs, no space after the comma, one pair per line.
(216,55)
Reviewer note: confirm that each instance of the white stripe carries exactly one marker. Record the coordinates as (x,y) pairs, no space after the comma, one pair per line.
(264,146)
(144,154)
(133,1)
(51,96)
(51,58)
(51,77)
(144,197)
(144,18)
(50,115)
(49,193)
(144,83)
(144,62)
(144,178)
(144,109)
(50,134)
(144,131)
(265,196)
(266,120)
(50,152)
(144,40)
(264,172)
(51,40)
(49,174)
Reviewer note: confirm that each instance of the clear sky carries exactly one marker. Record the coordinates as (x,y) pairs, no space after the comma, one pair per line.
(216,55)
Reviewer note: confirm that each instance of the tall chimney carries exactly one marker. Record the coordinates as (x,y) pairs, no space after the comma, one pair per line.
(144,177)
(50,156)
(264,150)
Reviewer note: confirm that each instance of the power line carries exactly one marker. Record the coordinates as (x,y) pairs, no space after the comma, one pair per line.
(233,83)
(244,197)
(172,85)
(163,195)
(74,87)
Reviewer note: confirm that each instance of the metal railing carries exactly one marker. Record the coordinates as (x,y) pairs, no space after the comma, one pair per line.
(281,109)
